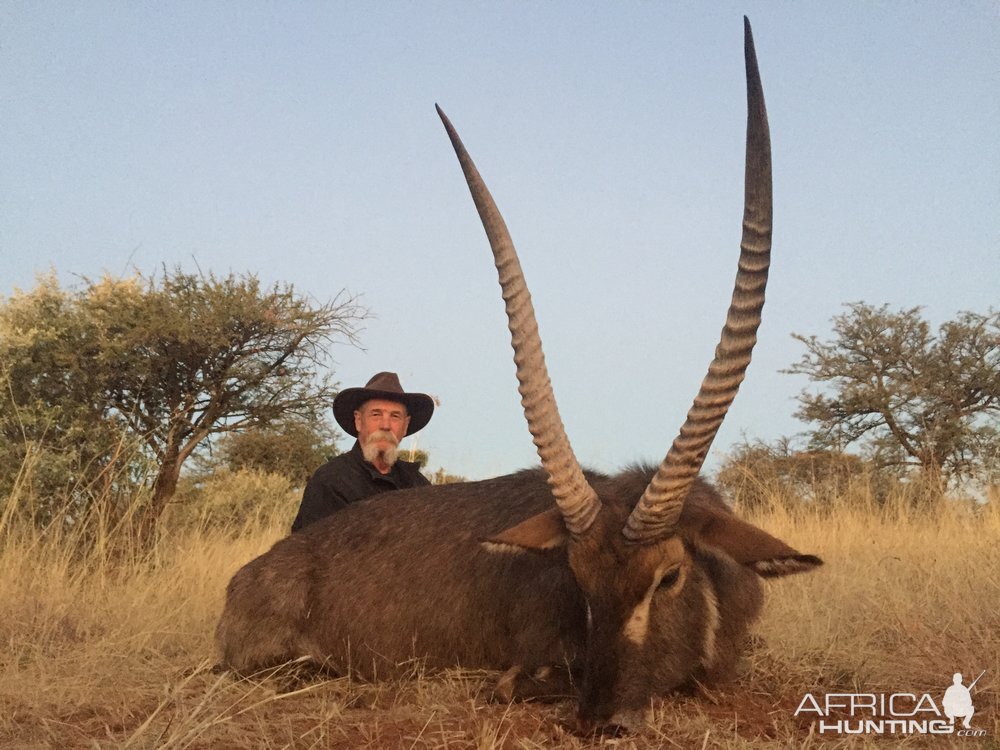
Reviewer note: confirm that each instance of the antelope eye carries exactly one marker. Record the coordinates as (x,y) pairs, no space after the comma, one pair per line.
(670,578)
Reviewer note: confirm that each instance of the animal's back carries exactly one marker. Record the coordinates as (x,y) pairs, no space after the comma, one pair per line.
(401,576)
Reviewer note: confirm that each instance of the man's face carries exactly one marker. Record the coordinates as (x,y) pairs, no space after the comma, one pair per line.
(381,425)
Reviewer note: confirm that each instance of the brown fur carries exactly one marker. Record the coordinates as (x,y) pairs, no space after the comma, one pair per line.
(406,576)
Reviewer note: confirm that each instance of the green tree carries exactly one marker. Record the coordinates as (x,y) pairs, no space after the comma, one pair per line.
(292,448)
(168,360)
(57,443)
(908,396)
(759,475)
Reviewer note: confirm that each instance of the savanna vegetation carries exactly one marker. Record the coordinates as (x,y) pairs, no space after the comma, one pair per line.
(156,432)
(914,402)
(102,650)
(108,388)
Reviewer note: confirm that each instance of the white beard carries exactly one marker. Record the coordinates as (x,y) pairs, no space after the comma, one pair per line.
(373,452)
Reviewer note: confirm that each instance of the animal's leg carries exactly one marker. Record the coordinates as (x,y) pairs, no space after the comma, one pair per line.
(548,683)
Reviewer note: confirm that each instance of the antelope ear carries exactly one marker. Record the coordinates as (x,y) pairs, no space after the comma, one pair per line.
(543,531)
(766,555)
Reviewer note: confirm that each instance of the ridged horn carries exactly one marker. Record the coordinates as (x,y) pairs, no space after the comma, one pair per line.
(575,497)
(660,506)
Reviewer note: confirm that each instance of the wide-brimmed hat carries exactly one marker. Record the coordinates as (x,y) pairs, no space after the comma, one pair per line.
(384,385)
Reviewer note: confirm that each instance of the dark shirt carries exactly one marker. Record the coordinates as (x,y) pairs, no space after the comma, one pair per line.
(347,478)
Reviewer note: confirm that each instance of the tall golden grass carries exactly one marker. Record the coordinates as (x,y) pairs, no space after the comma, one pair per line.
(102,649)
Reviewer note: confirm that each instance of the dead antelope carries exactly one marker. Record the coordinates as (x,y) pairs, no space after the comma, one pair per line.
(628,587)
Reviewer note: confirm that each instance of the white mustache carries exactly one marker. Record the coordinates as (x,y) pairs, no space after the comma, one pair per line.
(382,436)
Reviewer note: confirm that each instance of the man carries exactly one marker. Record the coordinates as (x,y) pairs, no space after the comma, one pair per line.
(379,416)
(957,701)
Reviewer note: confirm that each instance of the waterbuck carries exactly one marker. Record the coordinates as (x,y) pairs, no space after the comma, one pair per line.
(622,589)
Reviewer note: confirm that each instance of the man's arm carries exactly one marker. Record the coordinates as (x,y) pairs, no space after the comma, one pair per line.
(411,476)
(319,500)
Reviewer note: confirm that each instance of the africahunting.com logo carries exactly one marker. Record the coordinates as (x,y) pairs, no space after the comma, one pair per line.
(894,713)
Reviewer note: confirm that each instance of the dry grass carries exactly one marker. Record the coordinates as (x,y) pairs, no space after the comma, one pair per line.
(103,651)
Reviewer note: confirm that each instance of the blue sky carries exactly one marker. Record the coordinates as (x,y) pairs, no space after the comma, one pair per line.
(299,142)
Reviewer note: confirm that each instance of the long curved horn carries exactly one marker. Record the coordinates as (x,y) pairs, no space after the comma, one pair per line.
(660,506)
(575,497)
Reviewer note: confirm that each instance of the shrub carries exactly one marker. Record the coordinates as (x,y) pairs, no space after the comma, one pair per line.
(238,501)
